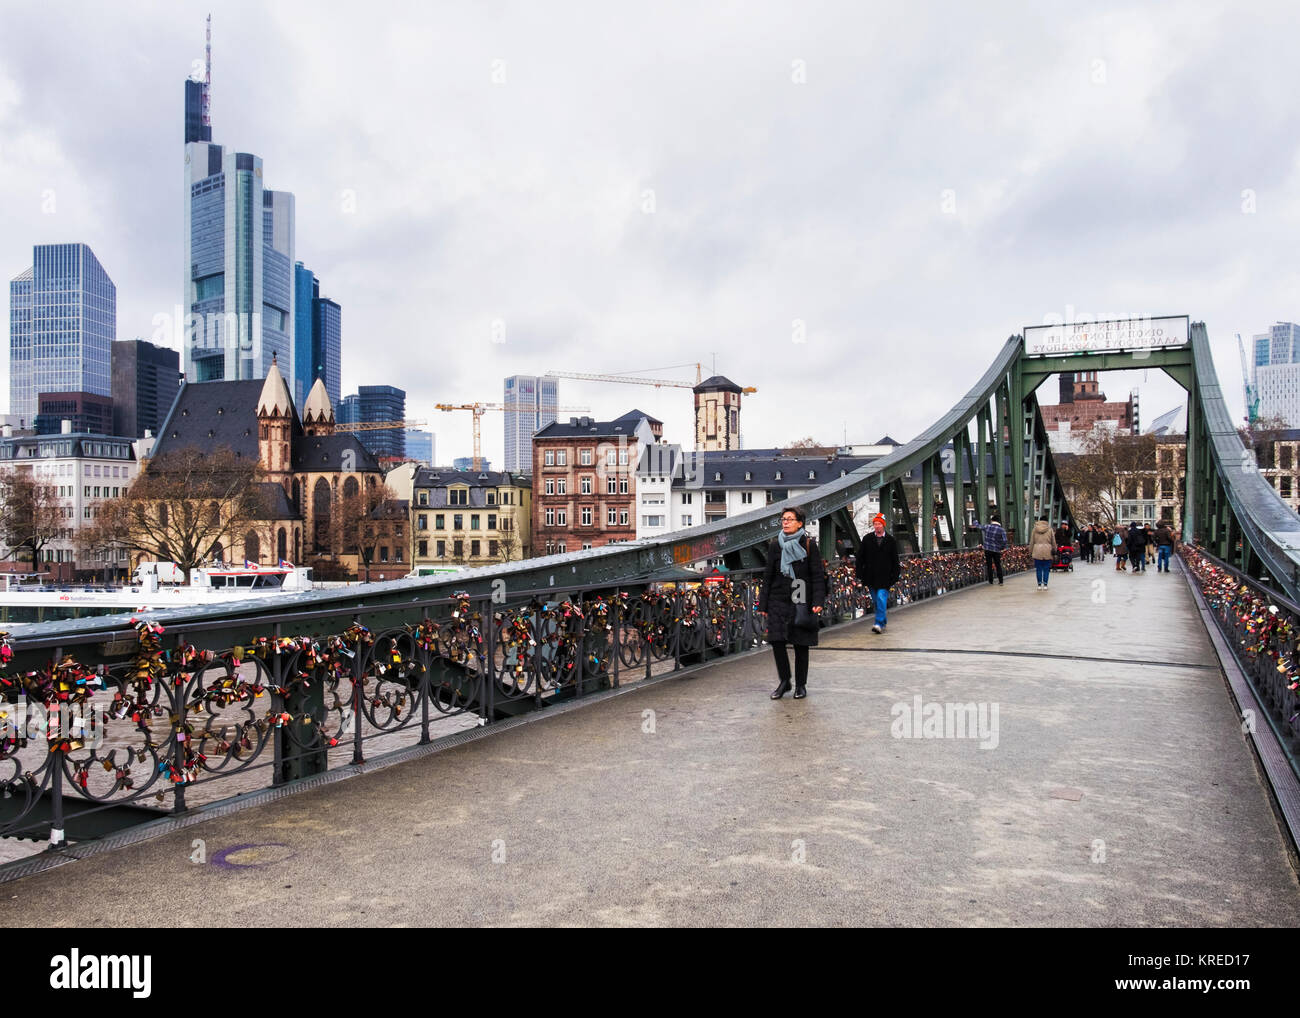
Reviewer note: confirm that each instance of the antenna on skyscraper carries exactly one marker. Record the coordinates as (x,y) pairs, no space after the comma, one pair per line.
(207,77)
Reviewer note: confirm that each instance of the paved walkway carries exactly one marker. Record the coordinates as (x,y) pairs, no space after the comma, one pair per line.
(1120,791)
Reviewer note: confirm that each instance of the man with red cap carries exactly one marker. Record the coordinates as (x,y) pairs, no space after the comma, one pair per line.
(878,567)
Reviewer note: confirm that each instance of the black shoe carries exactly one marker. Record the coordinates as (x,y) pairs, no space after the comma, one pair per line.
(782,689)
(800,692)
(999,582)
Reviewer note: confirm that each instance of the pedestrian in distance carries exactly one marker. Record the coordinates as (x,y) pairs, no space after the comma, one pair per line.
(994,541)
(795,576)
(1119,543)
(878,567)
(1137,546)
(1042,545)
(1164,546)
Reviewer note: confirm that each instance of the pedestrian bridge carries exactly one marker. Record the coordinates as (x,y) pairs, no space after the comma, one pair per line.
(1104,779)
(443,710)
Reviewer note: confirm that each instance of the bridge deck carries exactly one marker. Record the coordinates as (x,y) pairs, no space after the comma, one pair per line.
(1120,792)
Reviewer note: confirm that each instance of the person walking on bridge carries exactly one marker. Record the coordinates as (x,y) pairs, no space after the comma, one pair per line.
(1164,546)
(995,543)
(795,576)
(878,567)
(1137,546)
(1042,545)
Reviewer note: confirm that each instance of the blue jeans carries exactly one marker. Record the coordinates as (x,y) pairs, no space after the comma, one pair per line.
(1043,567)
(881,600)
(1162,557)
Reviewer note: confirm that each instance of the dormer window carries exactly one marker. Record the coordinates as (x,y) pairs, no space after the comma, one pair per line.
(748,476)
(717,475)
(778,475)
(812,475)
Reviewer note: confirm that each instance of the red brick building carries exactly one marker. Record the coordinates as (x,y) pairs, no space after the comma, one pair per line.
(1082,407)
(584,481)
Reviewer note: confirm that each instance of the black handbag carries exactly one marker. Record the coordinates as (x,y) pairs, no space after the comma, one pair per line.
(804,618)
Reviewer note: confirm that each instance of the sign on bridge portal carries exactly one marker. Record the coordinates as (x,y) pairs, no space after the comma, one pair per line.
(1100,337)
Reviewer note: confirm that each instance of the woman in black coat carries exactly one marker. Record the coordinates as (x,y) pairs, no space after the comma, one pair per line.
(795,573)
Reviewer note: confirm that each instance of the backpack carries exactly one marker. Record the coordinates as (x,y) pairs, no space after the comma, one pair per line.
(1116,541)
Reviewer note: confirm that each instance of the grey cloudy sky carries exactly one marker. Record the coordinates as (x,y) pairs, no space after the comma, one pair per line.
(625,186)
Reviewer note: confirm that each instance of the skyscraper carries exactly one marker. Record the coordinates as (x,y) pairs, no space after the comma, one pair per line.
(530,402)
(238,241)
(375,404)
(318,334)
(1276,372)
(146,379)
(62,323)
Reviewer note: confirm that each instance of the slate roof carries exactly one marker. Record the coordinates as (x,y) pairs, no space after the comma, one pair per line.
(278,506)
(763,470)
(430,477)
(585,427)
(635,415)
(209,414)
(716,382)
(214,414)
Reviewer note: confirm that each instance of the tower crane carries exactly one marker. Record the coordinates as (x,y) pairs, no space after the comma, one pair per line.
(637,380)
(380,425)
(479,409)
(1251,391)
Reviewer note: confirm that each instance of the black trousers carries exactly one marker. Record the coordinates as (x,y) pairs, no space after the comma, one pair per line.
(992,560)
(783,663)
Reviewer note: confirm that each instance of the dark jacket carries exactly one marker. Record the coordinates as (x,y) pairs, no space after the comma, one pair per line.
(1164,537)
(1064,536)
(877,566)
(1137,540)
(776,595)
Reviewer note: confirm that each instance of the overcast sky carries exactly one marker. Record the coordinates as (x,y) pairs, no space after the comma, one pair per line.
(628,186)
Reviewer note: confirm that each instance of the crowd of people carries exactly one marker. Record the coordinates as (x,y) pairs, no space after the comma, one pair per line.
(795,589)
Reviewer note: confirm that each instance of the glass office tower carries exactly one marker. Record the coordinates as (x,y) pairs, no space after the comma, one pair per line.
(530,402)
(62,323)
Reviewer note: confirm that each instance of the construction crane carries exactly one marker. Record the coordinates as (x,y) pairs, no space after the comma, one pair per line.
(380,426)
(635,380)
(479,409)
(1251,391)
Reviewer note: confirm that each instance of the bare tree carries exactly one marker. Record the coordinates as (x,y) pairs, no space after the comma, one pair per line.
(185,506)
(31,514)
(507,538)
(809,446)
(1111,469)
(371,517)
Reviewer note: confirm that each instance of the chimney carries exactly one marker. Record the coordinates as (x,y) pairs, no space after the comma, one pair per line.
(9,431)
(148,432)
(67,426)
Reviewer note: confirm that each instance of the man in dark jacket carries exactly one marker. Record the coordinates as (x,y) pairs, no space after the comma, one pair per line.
(994,540)
(878,567)
(1137,546)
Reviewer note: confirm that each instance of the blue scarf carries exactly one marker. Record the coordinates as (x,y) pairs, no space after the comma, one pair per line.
(791,550)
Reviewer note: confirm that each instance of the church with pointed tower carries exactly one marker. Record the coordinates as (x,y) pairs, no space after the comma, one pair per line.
(317,481)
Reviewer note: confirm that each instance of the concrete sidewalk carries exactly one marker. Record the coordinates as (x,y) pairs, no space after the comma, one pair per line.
(1119,791)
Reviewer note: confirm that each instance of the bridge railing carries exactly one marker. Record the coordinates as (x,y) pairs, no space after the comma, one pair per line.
(170,725)
(1262,628)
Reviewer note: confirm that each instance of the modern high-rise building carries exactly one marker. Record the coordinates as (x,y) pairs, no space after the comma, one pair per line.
(146,379)
(62,323)
(420,445)
(375,404)
(318,332)
(238,242)
(1276,372)
(530,402)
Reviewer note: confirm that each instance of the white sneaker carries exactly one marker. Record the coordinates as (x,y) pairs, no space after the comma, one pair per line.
(876,629)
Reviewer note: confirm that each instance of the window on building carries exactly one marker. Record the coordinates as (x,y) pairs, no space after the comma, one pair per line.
(611,517)
(383,553)
(778,476)
(440,521)
(687,521)
(1284,487)
(561,517)
(458,521)
(422,522)
(749,475)
(611,486)
(686,498)
(561,457)
(397,553)
(492,549)
(549,458)
(717,475)
(492,521)
(473,549)
(550,517)
(474,521)
(586,485)
(584,457)
(611,457)
(586,515)
(747,497)
(622,517)
(1284,457)
(458,549)
(458,496)
(622,485)
(550,486)
(622,457)
(561,486)
(442,549)
(561,547)
(422,549)
(491,498)
(652,521)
